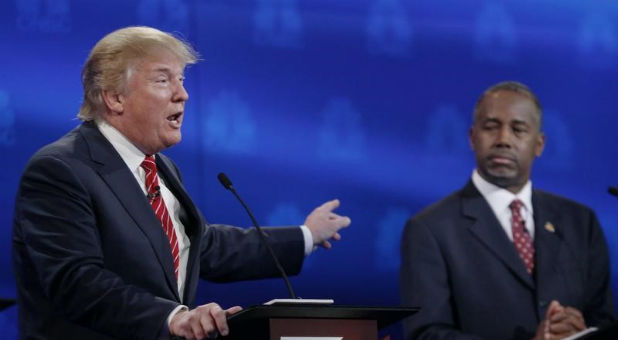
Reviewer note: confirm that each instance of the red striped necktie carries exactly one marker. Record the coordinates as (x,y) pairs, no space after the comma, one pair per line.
(156,201)
(521,237)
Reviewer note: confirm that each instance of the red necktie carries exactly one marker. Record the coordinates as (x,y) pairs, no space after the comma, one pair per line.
(156,201)
(521,237)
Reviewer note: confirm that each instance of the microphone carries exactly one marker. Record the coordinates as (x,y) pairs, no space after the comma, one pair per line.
(152,195)
(613,191)
(227,184)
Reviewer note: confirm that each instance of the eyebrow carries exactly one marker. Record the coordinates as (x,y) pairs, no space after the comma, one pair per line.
(496,120)
(167,70)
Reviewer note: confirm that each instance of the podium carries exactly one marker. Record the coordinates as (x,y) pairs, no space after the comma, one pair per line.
(298,320)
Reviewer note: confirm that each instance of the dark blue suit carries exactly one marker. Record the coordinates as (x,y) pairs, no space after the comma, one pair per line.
(91,258)
(460,267)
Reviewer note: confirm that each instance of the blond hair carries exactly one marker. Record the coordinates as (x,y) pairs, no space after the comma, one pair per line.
(111,59)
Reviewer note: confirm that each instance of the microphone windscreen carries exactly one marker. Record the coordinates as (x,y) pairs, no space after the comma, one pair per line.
(224,180)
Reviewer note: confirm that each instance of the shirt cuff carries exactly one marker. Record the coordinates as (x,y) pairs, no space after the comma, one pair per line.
(178,309)
(309,246)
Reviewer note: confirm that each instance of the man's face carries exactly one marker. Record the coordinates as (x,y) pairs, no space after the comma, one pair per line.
(152,105)
(506,138)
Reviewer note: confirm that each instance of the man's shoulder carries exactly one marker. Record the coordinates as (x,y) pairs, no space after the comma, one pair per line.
(557,202)
(65,146)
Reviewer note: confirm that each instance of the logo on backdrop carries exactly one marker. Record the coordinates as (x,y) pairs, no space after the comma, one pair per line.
(341,136)
(7,120)
(228,124)
(390,228)
(169,15)
(278,23)
(388,29)
(49,16)
(447,133)
(495,34)
(597,41)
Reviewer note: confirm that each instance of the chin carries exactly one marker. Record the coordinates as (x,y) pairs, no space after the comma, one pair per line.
(172,141)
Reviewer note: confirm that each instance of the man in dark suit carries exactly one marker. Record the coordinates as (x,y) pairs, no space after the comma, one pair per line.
(498,259)
(107,243)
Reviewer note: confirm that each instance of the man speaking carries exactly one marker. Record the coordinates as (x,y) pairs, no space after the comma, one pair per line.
(106,241)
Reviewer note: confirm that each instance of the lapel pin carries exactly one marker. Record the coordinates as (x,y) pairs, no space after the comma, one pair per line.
(550,227)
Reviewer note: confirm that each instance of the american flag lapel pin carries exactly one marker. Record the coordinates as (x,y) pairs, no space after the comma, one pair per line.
(550,227)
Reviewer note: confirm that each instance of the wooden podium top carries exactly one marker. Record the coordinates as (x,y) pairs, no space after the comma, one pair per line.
(383,315)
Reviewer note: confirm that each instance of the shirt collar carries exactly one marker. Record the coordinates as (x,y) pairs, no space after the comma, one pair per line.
(500,198)
(130,154)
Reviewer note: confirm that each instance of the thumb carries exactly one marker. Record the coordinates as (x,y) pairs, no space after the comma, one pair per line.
(233,310)
(330,205)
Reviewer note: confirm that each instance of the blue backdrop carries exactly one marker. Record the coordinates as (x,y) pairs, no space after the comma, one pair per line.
(301,101)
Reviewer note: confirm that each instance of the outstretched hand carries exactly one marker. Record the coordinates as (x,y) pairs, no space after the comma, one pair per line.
(324,224)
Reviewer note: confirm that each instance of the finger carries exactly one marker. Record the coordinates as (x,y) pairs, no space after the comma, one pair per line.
(206,321)
(560,328)
(330,205)
(574,312)
(337,237)
(197,328)
(220,319)
(326,245)
(344,221)
(558,317)
(554,307)
(575,320)
(233,310)
(340,221)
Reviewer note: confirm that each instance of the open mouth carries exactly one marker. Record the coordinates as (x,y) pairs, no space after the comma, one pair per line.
(175,117)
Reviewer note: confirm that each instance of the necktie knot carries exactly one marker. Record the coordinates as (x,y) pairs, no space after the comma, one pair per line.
(516,206)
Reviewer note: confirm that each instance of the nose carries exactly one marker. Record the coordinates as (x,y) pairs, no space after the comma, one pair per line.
(503,139)
(181,94)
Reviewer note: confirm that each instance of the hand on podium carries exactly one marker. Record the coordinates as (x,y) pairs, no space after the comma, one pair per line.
(560,322)
(202,322)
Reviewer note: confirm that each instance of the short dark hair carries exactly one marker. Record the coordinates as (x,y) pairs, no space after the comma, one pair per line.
(512,86)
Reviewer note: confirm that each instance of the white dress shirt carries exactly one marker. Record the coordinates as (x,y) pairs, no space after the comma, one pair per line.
(499,200)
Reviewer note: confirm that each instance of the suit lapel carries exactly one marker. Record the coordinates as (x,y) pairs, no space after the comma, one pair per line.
(488,231)
(113,170)
(547,244)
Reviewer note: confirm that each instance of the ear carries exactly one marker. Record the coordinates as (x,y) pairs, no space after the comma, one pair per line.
(540,144)
(471,138)
(113,101)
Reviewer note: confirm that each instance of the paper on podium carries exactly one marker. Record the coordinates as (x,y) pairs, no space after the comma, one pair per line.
(580,334)
(300,302)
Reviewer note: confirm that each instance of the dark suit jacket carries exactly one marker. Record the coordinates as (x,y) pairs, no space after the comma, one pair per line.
(460,267)
(91,258)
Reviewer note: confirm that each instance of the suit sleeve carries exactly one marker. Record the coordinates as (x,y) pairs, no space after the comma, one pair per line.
(424,283)
(598,311)
(229,253)
(233,254)
(59,237)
